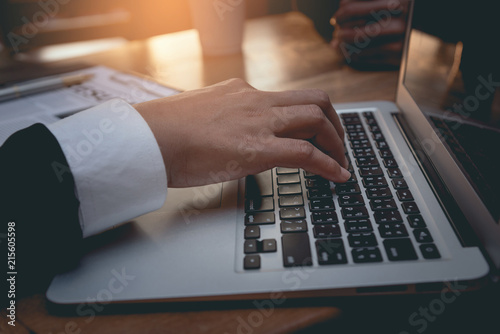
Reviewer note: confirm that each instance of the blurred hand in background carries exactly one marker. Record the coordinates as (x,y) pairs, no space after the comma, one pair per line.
(370,33)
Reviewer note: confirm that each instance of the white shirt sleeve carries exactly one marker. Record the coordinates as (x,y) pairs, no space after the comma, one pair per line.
(116,163)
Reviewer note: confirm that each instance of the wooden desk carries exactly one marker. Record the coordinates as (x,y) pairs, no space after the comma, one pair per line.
(280,52)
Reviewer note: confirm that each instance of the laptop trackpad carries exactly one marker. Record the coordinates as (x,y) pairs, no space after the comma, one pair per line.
(196,198)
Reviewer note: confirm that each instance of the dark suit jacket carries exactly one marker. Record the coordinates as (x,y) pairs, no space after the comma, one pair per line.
(37,195)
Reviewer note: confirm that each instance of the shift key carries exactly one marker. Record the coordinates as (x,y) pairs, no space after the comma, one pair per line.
(296,250)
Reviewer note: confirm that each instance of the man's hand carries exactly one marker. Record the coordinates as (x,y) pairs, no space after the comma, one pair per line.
(231,130)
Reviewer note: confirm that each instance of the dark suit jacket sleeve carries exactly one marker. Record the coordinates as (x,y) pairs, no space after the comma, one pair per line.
(37,194)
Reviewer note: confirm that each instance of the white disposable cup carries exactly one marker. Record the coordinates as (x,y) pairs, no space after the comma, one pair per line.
(220,25)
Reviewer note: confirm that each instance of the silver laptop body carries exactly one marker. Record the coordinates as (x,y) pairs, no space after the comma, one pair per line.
(194,247)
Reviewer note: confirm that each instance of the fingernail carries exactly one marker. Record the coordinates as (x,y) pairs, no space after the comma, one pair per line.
(345,174)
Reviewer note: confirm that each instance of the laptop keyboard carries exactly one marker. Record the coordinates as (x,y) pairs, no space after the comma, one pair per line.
(372,228)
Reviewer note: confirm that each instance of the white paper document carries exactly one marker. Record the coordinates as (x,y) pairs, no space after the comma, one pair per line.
(49,107)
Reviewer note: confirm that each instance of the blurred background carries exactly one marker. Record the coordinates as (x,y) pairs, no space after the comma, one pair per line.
(28,24)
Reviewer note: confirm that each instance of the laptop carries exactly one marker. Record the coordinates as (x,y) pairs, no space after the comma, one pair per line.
(420,211)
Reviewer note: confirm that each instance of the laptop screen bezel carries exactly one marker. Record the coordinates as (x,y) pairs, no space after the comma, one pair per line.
(487,229)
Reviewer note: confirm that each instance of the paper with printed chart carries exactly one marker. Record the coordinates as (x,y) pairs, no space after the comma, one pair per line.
(49,107)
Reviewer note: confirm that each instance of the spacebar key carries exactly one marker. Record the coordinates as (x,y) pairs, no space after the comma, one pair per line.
(296,250)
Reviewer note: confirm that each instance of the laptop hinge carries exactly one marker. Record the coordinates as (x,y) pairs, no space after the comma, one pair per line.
(460,225)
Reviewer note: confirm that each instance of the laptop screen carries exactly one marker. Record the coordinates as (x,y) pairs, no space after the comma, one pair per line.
(452,73)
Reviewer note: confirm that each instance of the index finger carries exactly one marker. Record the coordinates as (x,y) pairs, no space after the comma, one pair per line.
(307,97)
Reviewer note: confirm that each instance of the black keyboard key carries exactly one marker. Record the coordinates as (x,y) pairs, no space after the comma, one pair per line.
(296,250)
(319,193)
(410,208)
(362,240)
(394,173)
(359,135)
(259,218)
(347,189)
(430,251)
(381,144)
(378,136)
(371,121)
(259,185)
(354,127)
(379,193)
(356,132)
(400,249)
(399,183)
(363,152)
(293,226)
(354,212)
(284,170)
(251,262)
(297,212)
(291,200)
(374,181)
(252,232)
(324,217)
(385,153)
(259,204)
(268,246)
(331,251)
(367,254)
(416,221)
(422,235)
(317,183)
(352,179)
(404,195)
(290,189)
(327,231)
(358,226)
(374,128)
(390,163)
(348,115)
(350,118)
(288,178)
(387,216)
(383,204)
(361,143)
(250,246)
(367,162)
(370,171)
(318,204)
(351,200)
(392,230)
(368,115)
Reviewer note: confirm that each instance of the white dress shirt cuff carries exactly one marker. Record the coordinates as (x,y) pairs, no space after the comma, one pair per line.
(116,163)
